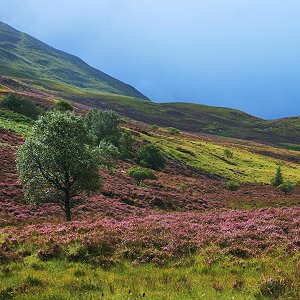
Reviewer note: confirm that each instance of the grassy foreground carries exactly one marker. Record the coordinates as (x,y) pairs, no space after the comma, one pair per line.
(206,276)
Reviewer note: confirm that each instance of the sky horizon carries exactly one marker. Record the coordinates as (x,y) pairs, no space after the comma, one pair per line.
(237,54)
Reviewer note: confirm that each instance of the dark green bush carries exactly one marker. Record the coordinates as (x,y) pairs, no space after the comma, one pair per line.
(63,105)
(21,105)
(286,187)
(173,130)
(228,153)
(141,174)
(103,125)
(232,186)
(278,179)
(126,145)
(150,156)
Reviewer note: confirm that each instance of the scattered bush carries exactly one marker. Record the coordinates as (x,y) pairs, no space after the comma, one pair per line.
(228,153)
(286,187)
(173,130)
(150,156)
(21,105)
(141,174)
(63,105)
(232,186)
(278,179)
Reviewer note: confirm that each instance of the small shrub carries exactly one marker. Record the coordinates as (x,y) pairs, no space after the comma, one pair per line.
(173,131)
(21,105)
(151,157)
(7,294)
(278,179)
(53,251)
(232,186)
(154,127)
(140,174)
(286,187)
(79,273)
(33,281)
(63,105)
(228,153)
(184,186)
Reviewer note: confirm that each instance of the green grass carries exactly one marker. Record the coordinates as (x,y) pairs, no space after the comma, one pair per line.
(244,166)
(209,275)
(25,57)
(15,122)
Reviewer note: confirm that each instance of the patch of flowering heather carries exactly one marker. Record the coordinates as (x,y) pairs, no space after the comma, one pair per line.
(163,237)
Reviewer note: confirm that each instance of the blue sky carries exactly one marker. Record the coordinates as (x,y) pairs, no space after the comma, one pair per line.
(243,54)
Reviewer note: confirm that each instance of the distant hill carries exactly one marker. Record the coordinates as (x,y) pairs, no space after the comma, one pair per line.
(28,66)
(23,56)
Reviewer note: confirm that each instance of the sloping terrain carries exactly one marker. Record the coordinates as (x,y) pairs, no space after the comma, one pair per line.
(183,236)
(31,67)
(25,57)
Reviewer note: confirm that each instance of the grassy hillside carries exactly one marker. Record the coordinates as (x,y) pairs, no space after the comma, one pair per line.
(29,66)
(175,238)
(25,57)
(251,162)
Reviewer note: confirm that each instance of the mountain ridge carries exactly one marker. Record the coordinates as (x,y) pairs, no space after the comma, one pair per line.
(18,49)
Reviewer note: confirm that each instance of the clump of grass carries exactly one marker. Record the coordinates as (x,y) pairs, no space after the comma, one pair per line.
(275,287)
(184,186)
(33,281)
(232,186)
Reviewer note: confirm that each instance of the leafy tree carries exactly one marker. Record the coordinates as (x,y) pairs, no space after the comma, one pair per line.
(141,174)
(232,185)
(108,155)
(150,156)
(55,164)
(228,153)
(125,145)
(278,179)
(63,105)
(21,105)
(103,125)
(286,187)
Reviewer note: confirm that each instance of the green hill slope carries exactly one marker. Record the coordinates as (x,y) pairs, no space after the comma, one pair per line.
(29,66)
(23,56)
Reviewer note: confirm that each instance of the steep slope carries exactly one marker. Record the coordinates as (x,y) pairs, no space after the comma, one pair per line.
(23,56)
(41,72)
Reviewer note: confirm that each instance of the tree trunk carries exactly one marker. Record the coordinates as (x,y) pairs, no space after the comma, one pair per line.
(68,206)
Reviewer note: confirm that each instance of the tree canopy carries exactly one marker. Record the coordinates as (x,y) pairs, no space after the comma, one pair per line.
(56,164)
